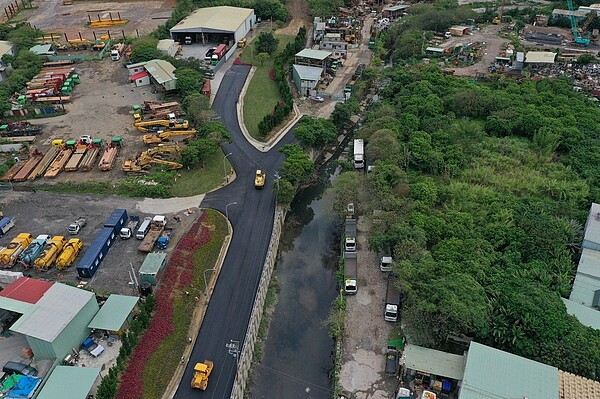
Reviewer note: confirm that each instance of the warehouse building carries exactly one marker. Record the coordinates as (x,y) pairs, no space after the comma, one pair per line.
(540,57)
(306,79)
(217,25)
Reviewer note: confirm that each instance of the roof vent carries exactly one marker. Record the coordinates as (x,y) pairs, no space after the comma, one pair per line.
(598,215)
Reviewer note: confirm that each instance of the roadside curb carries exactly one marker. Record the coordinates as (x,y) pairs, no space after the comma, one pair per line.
(259,145)
(198,317)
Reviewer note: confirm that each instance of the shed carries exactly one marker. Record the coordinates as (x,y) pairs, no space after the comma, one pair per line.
(135,68)
(580,15)
(492,373)
(433,362)
(458,30)
(162,73)
(306,78)
(140,79)
(587,316)
(42,49)
(79,380)
(586,287)
(434,50)
(153,264)
(395,12)
(6,48)
(540,57)
(167,46)
(312,58)
(115,315)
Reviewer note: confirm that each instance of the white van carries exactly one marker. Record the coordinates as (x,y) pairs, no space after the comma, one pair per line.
(143,230)
(385,260)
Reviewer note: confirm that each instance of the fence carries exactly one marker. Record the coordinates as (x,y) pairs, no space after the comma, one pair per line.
(245,359)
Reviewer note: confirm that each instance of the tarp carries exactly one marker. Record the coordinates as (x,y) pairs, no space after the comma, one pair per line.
(25,388)
(10,382)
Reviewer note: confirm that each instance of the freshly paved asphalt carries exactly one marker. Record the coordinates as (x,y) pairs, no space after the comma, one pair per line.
(229,310)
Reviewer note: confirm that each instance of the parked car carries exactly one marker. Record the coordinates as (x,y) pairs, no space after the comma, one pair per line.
(317,99)
(19,368)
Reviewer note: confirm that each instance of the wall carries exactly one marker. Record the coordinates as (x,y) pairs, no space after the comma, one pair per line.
(76,331)
(245,360)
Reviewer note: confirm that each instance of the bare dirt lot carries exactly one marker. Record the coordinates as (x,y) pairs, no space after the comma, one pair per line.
(50,213)
(101,106)
(53,16)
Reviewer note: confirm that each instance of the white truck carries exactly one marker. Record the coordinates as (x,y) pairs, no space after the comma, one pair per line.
(392,300)
(116,50)
(130,228)
(350,273)
(385,260)
(75,228)
(350,234)
(359,154)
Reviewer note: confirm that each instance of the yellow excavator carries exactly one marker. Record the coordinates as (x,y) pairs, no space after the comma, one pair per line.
(146,126)
(161,137)
(201,373)
(153,156)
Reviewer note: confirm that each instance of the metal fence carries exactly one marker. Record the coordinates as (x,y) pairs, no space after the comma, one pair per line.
(245,359)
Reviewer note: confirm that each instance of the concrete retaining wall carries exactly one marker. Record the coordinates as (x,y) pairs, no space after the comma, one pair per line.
(245,360)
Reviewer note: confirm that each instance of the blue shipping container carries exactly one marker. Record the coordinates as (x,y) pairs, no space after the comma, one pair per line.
(117,219)
(95,254)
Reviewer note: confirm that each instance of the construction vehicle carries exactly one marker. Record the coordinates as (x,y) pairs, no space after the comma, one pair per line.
(350,234)
(34,159)
(350,273)
(44,163)
(392,300)
(162,137)
(10,254)
(59,162)
(116,50)
(91,155)
(153,156)
(33,250)
(259,179)
(75,228)
(130,228)
(156,228)
(201,373)
(577,37)
(110,153)
(164,239)
(79,44)
(69,253)
(50,253)
(171,123)
(155,107)
(498,19)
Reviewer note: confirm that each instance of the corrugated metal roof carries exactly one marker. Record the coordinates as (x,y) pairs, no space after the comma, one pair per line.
(566,13)
(314,54)
(5,47)
(16,306)
(587,278)
(26,289)
(53,312)
(79,381)
(223,18)
(308,73)
(42,49)
(587,316)
(540,57)
(397,7)
(153,263)
(592,225)
(576,387)
(165,44)
(162,71)
(114,312)
(492,373)
(434,362)
(138,75)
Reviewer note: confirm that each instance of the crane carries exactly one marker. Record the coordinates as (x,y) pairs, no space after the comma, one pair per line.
(498,19)
(576,35)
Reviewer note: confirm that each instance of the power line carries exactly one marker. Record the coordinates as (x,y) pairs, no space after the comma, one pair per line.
(295,379)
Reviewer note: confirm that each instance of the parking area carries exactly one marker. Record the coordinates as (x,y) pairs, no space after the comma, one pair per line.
(50,213)
(196,50)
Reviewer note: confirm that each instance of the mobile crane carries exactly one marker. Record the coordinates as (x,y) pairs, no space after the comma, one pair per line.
(576,34)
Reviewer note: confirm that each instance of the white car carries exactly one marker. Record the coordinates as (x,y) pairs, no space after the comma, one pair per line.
(317,99)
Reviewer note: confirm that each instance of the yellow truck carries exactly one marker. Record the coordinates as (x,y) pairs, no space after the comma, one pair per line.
(10,254)
(50,253)
(201,373)
(69,253)
(259,179)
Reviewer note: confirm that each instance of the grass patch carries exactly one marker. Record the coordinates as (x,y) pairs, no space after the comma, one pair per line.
(198,181)
(262,94)
(159,368)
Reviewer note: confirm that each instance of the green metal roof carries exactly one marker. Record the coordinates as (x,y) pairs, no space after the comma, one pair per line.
(493,374)
(16,306)
(587,316)
(68,382)
(153,263)
(114,312)
(308,73)
(162,71)
(434,362)
(314,54)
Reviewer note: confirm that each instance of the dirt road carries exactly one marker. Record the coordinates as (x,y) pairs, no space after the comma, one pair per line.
(493,44)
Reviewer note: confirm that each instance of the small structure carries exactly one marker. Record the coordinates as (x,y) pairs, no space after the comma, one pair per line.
(153,265)
(79,380)
(433,362)
(140,79)
(579,15)
(395,12)
(458,30)
(312,58)
(162,73)
(135,68)
(306,79)
(6,48)
(335,43)
(519,60)
(43,49)
(434,50)
(586,287)
(318,29)
(540,57)
(115,315)
(167,46)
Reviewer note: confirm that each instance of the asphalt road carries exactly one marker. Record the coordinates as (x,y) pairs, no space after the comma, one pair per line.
(229,310)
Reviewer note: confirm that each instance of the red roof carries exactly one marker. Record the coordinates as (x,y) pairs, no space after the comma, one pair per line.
(138,75)
(26,289)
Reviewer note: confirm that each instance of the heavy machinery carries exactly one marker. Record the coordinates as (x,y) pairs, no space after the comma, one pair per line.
(498,19)
(10,254)
(161,137)
(69,253)
(50,253)
(259,179)
(80,44)
(152,156)
(34,250)
(171,123)
(110,153)
(577,37)
(201,373)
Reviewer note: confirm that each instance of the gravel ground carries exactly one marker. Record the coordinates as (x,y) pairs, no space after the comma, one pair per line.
(363,363)
(50,213)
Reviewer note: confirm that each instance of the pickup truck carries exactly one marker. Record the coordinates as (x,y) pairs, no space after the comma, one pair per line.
(92,347)
(164,239)
(75,228)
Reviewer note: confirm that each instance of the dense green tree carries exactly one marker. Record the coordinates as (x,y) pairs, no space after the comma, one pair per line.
(189,81)
(297,167)
(266,43)
(197,109)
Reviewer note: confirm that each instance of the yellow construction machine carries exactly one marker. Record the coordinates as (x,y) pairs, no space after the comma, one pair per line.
(201,373)
(80,44)
(259,179)
(146,126)
(161,137)
(152,156)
